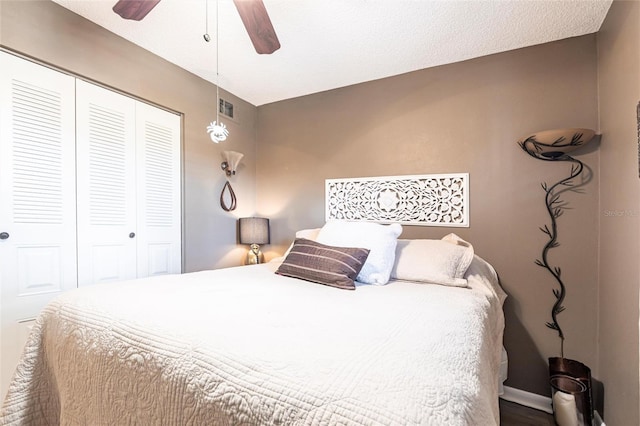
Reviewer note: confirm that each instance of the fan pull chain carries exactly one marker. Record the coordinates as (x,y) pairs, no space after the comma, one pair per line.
(206,35)
(217,66)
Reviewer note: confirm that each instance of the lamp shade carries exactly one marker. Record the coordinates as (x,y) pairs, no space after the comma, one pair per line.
(232,159)
(254,230)
(552,144)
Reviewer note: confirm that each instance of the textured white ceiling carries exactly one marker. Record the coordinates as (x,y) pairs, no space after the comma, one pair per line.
(328,44)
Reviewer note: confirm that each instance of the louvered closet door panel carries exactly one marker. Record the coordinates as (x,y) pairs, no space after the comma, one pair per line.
(37,198)
(159,201)
(105,148)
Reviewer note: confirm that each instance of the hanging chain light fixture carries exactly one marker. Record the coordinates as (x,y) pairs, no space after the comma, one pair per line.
(217,130)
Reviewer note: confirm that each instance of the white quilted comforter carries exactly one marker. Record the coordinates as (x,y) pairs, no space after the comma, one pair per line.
(243,346)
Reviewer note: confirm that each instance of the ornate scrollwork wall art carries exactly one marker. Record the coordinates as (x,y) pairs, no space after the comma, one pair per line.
(426,200)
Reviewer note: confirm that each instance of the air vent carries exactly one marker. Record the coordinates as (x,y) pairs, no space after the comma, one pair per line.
(226,108)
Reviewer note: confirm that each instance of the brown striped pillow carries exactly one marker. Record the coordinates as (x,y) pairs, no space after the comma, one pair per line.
(319,263)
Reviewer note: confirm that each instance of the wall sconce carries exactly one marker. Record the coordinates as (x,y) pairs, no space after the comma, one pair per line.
(230,161)
(570,380)
(553,145)
(254,231)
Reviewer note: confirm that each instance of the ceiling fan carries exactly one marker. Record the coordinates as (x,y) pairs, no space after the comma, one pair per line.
(252,12)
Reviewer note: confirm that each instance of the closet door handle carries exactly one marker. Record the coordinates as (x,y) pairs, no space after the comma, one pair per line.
(132,235)
(4,235)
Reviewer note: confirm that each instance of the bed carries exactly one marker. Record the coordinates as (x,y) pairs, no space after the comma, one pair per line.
(249,346)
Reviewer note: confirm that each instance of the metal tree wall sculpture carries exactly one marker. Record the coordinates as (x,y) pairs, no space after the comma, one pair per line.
(553,145)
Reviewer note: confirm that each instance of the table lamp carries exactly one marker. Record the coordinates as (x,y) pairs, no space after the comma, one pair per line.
(254,231)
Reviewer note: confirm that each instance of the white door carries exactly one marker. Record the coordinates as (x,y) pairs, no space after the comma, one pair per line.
(158,200)
(37,198)
(106,185)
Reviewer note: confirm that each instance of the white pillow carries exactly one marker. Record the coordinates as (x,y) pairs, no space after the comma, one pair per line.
(381,240)
(442,261)
(309,234)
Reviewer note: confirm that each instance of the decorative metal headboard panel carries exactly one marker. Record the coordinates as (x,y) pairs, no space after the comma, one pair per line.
(426,200)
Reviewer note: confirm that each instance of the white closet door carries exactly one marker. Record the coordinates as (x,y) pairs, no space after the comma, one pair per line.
(37,198)
(159,203)
(106,187)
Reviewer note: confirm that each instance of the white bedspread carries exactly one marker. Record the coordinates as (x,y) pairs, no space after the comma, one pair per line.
(244,346)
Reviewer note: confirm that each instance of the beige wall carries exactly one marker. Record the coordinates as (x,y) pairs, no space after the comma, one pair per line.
(52,34)
(619,213)
(464,117)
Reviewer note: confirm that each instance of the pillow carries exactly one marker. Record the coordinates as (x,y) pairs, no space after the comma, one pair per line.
(381,240)
(309,234)
(442,261)
(319,263)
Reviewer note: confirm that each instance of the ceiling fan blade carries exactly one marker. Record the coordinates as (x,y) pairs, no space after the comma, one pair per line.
(134,9)
(256,20)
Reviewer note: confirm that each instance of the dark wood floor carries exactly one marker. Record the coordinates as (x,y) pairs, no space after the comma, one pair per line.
(512,414)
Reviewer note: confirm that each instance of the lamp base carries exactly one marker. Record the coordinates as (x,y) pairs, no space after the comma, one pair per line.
(254,256)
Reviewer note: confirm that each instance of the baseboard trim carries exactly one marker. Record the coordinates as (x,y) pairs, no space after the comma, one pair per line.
(538,402)
(528,399)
